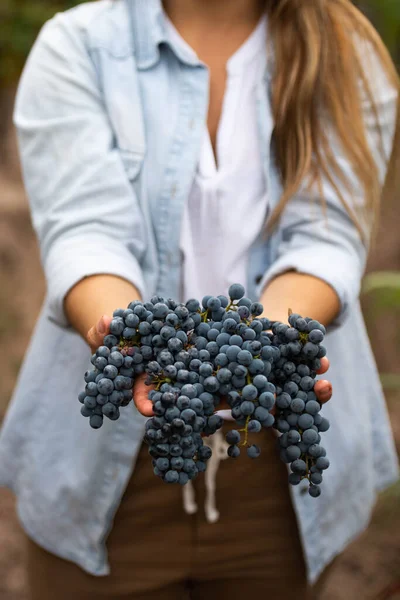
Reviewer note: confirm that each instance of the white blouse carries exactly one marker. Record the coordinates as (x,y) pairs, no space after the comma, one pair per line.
(226,208)
(227,205)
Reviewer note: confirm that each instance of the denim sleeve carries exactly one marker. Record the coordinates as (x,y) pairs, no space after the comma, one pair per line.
(83,207)
(323,241)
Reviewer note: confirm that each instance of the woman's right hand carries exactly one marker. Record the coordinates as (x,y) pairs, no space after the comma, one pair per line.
(140,396)
(95,335)
(95,338)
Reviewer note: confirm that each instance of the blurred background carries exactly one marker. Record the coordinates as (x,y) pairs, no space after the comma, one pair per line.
(370,568)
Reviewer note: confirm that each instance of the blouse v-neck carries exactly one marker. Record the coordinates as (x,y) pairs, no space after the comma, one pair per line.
(227,206)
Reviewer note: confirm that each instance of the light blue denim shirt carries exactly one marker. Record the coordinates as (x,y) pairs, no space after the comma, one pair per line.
(110,119)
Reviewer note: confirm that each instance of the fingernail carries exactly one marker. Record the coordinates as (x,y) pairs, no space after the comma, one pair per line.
(101,326)
(327,389)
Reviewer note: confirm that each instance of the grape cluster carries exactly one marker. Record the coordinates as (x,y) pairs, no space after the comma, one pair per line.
(194,356)
(298,416)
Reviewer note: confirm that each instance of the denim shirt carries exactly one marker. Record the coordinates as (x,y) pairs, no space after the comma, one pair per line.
(110,118)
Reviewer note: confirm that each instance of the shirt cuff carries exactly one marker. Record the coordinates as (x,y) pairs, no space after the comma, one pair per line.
(71,260)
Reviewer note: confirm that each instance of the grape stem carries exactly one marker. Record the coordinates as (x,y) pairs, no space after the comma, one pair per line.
(246,432)
(204,315)
(308,469)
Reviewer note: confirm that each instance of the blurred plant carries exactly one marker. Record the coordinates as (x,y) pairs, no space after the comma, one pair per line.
(384,289)
(385,14)
(387,282)
(20,22)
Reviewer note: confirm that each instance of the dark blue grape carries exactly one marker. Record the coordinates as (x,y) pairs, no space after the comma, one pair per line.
(267,400)
(117,326)
(254,426)
(253,451)
(109,410)
(283,401)
(294,478)
(322,463)
(249,392)
(244,357)
(297,405)
(293,453)
(314,491)
(232,437)
(299,466)
(313,407)
(309,437)
(261,413)
(211,384)
(233,451)
(316,478)
(324,425)
(305,421)
(171,476)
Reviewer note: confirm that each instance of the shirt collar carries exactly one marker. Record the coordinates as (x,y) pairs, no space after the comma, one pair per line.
(149,32)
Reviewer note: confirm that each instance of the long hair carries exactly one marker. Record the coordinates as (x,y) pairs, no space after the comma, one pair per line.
(319,79)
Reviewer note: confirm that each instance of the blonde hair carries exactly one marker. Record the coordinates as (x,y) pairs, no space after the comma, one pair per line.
(318,70)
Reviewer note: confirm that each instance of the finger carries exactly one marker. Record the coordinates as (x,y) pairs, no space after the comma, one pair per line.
(324,366)
(273,409)
(323,390)
(96,334)
(140,397)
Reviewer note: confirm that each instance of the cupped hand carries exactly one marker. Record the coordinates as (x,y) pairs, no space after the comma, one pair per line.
(95,338)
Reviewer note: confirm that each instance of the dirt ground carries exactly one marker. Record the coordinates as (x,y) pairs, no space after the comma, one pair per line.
(368,570)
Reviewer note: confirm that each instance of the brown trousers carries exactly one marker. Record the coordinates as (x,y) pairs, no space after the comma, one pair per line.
(158,552)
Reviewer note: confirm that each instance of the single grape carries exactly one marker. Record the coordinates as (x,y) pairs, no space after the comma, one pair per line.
(293,453)
(233,451)
(322,463)
(299,466)
(171,476)
(314,491)
(232,437)
(253,451)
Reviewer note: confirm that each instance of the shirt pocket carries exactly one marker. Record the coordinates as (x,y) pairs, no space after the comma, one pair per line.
(121,93)
(132,163)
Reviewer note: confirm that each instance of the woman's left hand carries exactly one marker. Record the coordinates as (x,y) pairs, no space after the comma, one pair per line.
(323,387)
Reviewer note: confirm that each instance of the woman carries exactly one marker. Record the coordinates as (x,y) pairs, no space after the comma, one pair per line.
(157,140)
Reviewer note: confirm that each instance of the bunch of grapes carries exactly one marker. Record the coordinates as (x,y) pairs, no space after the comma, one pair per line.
(196,355)
(298,416)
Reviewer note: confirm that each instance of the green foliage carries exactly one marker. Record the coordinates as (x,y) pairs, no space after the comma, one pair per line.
(384,286)
(385,14)
(384,289)
(20,22)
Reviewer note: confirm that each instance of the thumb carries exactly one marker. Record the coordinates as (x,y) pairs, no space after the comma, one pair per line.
(140,396)
(96,334)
